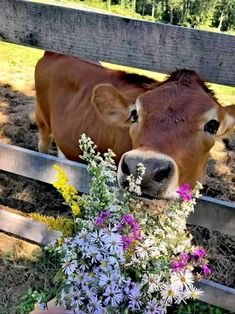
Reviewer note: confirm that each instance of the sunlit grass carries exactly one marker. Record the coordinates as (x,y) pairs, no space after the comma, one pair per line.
(17,65)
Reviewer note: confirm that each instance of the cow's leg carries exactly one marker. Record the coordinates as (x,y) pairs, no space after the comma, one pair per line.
(44,136)
(44,140)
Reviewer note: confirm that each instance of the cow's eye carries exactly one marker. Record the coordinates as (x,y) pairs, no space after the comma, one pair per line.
(134,116)
(212,127)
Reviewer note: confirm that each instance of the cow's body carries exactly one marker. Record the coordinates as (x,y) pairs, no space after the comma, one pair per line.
(64,88)
(169,126)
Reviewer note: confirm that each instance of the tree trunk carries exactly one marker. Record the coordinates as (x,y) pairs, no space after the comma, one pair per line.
(133,6)
(171,15)
(221,21)
(109,5)
(153,9)
(183,12)
(143,8)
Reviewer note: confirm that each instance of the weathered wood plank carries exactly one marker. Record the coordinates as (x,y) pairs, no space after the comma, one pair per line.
(217,294)
(141,44)
(209,213)
(215,215)
(40,167)
(27,228)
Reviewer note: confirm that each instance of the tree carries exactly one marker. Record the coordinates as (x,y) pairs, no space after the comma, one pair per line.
(174,5)
(224,15)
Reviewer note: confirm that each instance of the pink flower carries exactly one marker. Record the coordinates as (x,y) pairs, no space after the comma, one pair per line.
(199,253)
(129,219)
(206,270)
(185,192)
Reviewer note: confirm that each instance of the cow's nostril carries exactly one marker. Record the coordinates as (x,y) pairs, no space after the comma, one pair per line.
(125,168)
(161,173)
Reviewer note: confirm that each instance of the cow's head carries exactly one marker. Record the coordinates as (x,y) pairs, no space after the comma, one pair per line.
(172,126)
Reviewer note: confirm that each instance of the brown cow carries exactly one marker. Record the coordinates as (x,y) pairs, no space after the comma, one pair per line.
(169,127)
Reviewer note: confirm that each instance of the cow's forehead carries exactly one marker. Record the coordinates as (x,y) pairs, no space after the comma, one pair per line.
(186,100)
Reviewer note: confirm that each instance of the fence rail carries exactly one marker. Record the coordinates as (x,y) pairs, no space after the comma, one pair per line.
(136,43)
(120,40)
(209,213)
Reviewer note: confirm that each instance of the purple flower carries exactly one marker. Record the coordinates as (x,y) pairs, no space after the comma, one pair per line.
(135,298)
(200,253)
(185,192)
(106,213)
(129,219)
(185,257)
(130,230)
(113,296)
(95,305)
(136,231)
(206,270)
(99,221)
(126,242)
(102,216)
(177,266)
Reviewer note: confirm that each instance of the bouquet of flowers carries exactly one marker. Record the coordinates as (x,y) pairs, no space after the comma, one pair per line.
(126,256)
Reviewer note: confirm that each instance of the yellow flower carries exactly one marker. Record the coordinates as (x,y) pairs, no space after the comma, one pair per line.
(69,192)
(75,209)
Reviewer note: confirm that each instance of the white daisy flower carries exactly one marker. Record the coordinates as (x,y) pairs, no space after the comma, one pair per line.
(170,293)
(114,243)
(153,281)
(192,293)
(143,250)
(182,280)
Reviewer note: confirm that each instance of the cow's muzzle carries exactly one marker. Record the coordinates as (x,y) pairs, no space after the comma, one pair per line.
(160,179)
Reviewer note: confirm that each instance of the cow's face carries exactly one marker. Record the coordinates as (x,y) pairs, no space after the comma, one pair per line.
(172,126)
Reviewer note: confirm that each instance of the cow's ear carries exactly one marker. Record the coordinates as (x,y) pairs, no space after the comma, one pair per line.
(112,105)
(228,123)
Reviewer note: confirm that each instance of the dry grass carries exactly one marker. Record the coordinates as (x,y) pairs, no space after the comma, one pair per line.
(221,251)
(21,266)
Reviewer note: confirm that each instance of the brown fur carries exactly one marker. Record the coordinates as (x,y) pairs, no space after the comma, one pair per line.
(75,97)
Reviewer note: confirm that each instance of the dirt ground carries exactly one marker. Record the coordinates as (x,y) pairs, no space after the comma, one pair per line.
(18,127)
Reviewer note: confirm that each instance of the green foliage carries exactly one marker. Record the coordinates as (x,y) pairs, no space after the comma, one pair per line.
(27,302)
(190,13)
(44,270)
(224,15)
(198,307)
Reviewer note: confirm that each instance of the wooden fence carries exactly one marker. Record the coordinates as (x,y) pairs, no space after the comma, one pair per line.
(109,38)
